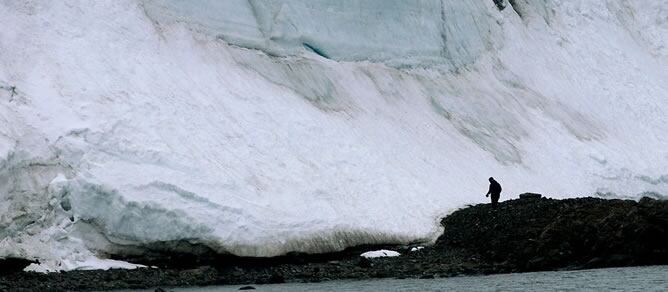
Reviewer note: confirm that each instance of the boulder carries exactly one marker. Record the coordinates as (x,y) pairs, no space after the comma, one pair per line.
(530,196)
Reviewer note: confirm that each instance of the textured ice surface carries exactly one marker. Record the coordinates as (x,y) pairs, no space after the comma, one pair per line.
(395,31)
(262,127)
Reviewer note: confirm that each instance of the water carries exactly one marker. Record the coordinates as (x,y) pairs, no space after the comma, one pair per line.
(653,278)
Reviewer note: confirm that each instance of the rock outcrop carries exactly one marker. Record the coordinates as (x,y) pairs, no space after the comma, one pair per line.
(543,234)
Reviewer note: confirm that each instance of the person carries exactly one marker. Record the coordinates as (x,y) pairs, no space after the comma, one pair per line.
(495,191)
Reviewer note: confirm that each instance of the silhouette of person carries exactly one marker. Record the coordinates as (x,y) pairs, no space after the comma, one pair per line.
(495,191)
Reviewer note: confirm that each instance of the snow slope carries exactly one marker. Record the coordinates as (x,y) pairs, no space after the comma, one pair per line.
(262,127)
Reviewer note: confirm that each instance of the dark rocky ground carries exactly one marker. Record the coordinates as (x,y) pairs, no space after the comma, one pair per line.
(527,234)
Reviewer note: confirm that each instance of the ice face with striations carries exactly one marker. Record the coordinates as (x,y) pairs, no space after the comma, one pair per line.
(262,127)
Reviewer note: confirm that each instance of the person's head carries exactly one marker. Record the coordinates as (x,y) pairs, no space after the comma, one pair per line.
(491,179)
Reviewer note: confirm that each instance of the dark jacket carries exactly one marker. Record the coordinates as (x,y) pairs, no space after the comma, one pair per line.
(494,188)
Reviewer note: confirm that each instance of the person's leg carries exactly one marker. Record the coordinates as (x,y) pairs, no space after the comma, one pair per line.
(495,200)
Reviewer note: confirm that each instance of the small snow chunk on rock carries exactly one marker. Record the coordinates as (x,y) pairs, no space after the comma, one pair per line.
(380,253)
(417,248)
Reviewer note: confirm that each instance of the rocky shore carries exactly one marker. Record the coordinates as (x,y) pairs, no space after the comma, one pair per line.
(528,234)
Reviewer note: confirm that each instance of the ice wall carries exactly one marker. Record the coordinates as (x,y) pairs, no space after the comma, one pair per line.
(424,32)
(262,127)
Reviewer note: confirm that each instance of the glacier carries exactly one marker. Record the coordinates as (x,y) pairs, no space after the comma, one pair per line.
(258,128)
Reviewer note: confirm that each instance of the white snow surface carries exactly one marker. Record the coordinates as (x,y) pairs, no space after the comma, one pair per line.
(417,248)
(381,253)
(263,127)
(91,263)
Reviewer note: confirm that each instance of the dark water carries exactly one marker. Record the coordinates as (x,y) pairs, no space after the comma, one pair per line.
(654,278)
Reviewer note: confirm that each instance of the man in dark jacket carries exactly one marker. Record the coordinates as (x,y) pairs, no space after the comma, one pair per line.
(495,191)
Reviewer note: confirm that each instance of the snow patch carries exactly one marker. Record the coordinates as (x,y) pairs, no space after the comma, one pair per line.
(91,263)
(380,254)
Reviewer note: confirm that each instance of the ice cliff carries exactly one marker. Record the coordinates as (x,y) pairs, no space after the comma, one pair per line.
(262,127)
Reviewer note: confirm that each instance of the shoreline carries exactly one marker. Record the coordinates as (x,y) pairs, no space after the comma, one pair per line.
(521,235)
